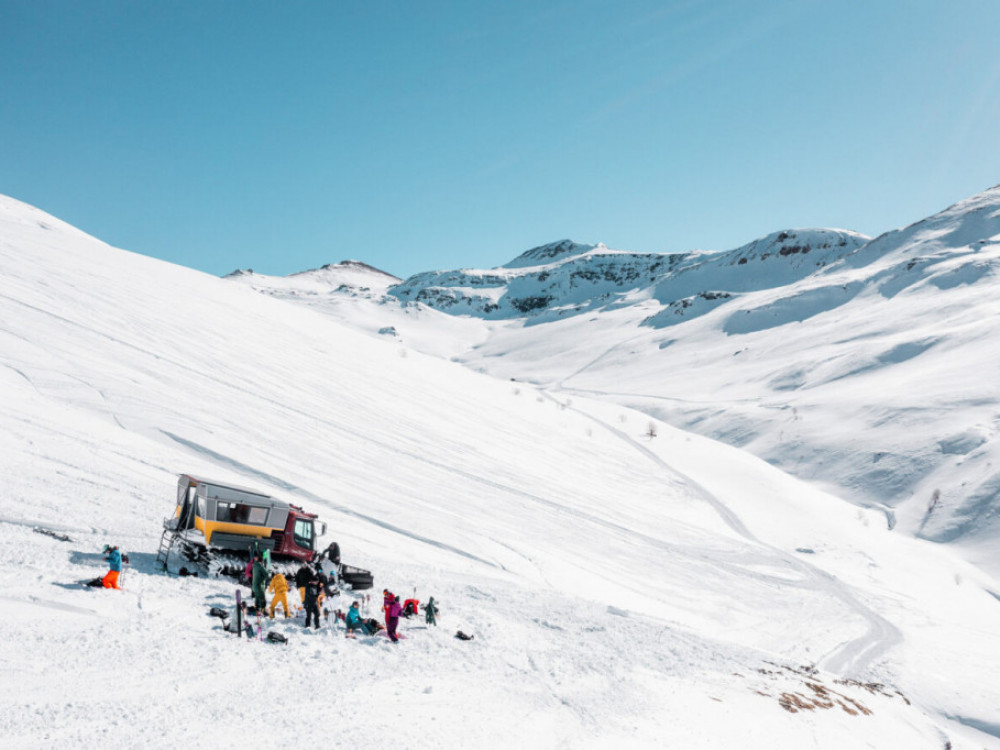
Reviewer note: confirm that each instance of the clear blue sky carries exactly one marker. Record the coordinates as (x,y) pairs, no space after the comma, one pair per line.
(423,135)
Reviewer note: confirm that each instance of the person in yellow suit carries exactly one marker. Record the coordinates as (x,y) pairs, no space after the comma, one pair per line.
(279,587)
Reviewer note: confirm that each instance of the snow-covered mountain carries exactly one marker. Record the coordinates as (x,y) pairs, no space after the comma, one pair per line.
(566,278)
(864,366)
(625,581)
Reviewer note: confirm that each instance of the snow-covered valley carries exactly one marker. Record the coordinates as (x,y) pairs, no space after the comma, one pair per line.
(626,581)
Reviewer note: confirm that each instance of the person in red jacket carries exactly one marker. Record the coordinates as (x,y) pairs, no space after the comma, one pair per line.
(386,601)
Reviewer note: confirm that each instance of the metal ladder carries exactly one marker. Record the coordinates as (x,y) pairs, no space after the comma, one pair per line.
(167,540)
(170,533)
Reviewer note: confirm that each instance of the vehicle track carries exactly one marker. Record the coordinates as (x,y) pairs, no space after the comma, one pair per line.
(851,658)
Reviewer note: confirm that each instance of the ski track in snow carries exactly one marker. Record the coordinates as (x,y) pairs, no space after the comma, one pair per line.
(852,658)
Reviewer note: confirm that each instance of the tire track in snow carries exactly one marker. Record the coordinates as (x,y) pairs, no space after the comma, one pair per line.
(849,658)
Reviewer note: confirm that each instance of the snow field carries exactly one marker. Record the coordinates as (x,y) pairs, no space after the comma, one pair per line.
(620,589)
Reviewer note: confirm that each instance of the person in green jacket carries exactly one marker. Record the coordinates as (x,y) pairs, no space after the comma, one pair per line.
(259,582)
(430,612)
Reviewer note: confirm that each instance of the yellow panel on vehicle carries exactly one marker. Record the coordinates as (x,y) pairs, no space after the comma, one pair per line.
(210,527)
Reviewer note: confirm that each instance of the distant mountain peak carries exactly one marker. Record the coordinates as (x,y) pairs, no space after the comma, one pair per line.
(795,241)
(347,265)
(550,253)
(238,273)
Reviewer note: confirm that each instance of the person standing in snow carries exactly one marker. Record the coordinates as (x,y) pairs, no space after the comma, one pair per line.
(386,603)
(279,587)
(324,586)
(430,612)
(258,584)
(311,600)
(328,569)
(392,618)
(302,576)
(114,556)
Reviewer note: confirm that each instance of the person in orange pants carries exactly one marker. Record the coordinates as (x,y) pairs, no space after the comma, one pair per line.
(110,580)
(279,587)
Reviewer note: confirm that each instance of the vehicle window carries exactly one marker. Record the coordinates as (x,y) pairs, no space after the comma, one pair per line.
(304,533)
(222,511)
(258,516)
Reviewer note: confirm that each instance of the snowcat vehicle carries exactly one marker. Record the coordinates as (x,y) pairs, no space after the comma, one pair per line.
(216,525)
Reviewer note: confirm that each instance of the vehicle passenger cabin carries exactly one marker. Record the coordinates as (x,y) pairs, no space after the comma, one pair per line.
(231,517)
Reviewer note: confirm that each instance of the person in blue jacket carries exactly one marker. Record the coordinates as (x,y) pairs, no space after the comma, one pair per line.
(354,622)
(114,556)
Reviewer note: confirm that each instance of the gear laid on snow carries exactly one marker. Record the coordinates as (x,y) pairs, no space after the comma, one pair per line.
(51,533)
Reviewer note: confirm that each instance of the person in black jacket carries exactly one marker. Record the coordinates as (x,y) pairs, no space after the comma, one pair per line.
(302,576)
(311,600)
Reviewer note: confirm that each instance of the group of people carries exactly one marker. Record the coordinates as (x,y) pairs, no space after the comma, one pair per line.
(392,610)
(313,583)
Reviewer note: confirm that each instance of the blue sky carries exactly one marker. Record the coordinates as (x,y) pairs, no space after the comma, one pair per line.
(414,136)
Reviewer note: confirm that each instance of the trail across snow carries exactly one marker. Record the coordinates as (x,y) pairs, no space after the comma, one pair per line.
(852,658)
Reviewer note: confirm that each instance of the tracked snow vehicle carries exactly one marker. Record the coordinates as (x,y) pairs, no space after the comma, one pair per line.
(216,525)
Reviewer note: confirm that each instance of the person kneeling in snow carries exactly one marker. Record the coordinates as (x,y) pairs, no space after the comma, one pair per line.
(279,587)
(110,580)
(354,622)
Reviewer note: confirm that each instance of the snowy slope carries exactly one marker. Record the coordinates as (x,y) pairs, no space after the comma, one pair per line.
(866,367)
(875,374)
(621,587)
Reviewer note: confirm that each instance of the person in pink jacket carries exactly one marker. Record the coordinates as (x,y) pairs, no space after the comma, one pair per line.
(392,618)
